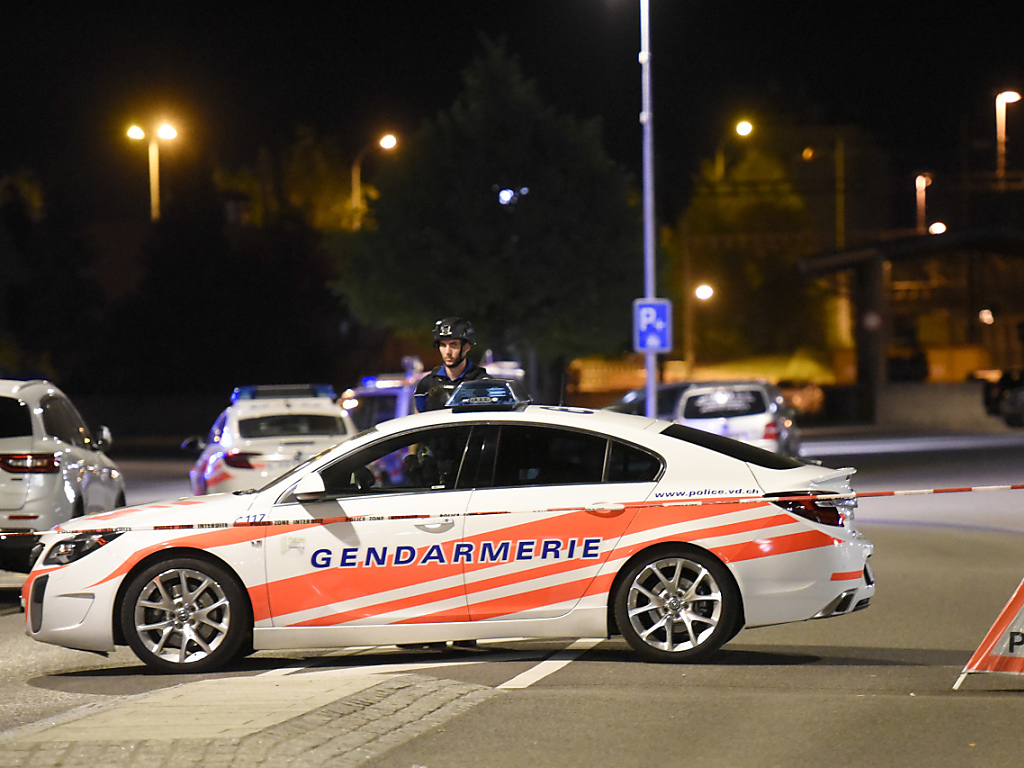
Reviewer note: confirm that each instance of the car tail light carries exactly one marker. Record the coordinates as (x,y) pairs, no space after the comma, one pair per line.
(239,460)
(824,510)
(30,463)
(771,431)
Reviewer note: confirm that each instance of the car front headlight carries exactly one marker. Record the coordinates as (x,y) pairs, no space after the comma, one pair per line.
(76,547)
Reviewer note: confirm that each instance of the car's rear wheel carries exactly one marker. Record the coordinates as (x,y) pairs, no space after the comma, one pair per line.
(677,605)
(186,615)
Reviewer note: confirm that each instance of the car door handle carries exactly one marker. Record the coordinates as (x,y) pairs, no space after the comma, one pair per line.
(604,506)
(441,527)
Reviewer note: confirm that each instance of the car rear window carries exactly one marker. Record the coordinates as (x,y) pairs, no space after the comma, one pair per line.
(733,448)
(291,425)
(724,403)
(15,420)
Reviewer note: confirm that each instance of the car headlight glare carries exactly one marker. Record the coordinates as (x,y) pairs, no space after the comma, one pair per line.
(78,546)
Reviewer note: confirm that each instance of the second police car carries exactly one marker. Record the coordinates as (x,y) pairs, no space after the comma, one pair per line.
(493,519)
(266,430)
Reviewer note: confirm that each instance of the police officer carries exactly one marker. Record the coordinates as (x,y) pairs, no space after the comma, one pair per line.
(453,338)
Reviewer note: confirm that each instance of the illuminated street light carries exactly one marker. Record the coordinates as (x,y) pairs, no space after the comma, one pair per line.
(358,203)
(937,228)
(165,132)
(921,183)
(1004,98)
(702,292)
(743,128)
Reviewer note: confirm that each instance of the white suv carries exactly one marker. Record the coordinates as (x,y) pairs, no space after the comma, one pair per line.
(52,468)
(264,432)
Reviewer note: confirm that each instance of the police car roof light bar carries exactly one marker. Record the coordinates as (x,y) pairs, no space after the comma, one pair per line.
(269,391)
(488,395)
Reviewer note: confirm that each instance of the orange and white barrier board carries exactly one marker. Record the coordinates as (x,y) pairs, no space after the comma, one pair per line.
(1002,650)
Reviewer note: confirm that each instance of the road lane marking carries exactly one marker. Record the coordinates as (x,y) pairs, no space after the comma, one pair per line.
(550,666)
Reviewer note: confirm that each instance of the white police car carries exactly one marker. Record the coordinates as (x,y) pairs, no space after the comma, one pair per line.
(264,432)
(492,519)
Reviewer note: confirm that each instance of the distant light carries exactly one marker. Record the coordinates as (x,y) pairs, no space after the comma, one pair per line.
(922,181)
(744,128)
(807,154)
(136,133)
(511,196)
(388,142)
(937,228)
(986,316)
(1008,97)
(704,292)
(166,132)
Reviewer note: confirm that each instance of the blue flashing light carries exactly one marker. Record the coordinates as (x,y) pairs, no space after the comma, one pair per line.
(267,391)
(369,381)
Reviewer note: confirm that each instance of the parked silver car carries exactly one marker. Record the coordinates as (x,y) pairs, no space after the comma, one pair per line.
(52,467)
(753,412)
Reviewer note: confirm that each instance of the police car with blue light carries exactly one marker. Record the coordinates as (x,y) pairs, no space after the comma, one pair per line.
(492,518)
(266,430)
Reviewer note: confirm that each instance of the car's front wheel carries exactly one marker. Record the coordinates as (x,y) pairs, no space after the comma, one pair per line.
(186,615)
(677,605)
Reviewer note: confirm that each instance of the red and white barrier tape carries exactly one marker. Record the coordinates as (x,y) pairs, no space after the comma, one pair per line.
(657,503)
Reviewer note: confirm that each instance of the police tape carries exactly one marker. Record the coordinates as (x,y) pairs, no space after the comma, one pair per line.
(663,502)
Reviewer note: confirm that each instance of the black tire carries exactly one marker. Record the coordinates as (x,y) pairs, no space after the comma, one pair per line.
(186,615)
(677,604)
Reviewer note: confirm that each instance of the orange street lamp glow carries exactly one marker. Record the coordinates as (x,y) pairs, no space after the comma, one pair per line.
(358,204)
(704,292)
(1004,98)
(165,132)
(743,128)
(922,182)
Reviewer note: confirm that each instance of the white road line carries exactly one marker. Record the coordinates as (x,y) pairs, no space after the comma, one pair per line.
(552,665)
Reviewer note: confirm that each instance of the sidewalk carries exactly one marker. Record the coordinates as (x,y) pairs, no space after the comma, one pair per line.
(310,717)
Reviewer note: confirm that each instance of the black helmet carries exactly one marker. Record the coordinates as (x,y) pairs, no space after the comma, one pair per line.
(453,328)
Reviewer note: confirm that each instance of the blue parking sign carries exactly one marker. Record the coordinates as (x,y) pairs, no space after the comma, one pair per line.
(652,325)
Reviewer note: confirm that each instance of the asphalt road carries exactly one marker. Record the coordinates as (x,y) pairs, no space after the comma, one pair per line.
(874,688)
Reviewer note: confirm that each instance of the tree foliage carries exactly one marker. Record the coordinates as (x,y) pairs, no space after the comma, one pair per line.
(552,267)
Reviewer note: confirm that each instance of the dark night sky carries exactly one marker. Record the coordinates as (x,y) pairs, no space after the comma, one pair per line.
(235,76)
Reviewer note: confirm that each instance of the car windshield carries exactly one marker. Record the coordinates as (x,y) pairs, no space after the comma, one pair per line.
(15,420)
(724,403)
(291,425)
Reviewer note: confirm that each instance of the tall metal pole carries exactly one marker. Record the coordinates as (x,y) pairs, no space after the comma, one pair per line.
(647,120)
(154,180)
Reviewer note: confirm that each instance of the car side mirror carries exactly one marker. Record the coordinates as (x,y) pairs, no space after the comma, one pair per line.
(194,444)
(310,488)
(103,439)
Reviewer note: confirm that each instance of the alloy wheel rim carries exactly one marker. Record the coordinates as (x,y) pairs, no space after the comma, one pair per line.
(674,604)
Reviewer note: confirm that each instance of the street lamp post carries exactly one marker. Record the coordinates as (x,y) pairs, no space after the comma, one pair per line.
(1004,98)
(647,121)
(922,183)
(165,132)
(743,128)
(702,292)
(358,203)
